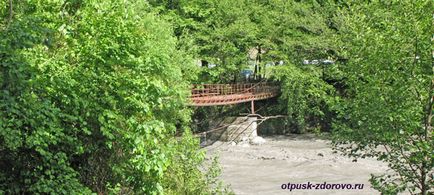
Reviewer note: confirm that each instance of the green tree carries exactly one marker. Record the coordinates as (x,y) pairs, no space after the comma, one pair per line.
(309,101)
(91,96)
(300,31)
(220,32)
(389,108)
(223,32)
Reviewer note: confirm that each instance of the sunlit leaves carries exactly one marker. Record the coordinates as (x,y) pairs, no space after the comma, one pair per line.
(389,73)
(91,93)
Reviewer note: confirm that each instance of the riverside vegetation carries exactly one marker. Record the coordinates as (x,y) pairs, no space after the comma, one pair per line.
(93,93)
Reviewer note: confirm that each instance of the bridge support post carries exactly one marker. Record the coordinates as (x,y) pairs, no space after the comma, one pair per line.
(240,130)
(252,106)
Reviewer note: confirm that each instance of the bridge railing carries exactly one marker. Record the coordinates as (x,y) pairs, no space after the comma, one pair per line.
(201,90)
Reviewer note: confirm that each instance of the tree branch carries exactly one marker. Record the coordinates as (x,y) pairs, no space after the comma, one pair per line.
(389,153)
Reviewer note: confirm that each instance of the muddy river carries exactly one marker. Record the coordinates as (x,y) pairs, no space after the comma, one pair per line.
(271,168)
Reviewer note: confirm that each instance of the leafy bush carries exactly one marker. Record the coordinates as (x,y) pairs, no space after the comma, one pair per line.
(92,93)
(196,174)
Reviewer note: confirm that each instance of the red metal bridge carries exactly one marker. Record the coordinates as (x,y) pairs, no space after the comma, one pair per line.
(225,94)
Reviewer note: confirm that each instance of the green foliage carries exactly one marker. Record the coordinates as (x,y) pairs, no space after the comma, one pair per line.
(35,144)
(224,32)
(295,30)
(308,101)
(389,77)
(220,31)
(192,176)
(91,95)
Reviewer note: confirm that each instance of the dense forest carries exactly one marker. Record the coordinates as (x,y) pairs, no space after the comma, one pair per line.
(94,93)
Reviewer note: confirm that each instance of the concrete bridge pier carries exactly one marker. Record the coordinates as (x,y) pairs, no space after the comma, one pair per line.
(242,129)
(239,130)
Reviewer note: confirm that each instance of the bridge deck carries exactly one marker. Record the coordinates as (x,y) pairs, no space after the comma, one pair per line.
(225,94)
